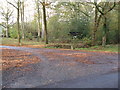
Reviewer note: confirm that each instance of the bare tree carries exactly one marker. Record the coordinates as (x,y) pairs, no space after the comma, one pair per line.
(6,17)
(18,3)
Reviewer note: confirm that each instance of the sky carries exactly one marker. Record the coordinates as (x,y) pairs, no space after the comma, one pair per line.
(30,7)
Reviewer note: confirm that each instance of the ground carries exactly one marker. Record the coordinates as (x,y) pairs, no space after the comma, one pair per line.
(40,67)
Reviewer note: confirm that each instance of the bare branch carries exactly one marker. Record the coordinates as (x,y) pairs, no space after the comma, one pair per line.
(99,19)
(12,4)
(111,8)
(97,7)
(84,13)
(45,4)
(10,14)
(3,25)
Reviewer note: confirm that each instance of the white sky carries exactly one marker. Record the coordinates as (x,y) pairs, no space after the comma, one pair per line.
(30,8)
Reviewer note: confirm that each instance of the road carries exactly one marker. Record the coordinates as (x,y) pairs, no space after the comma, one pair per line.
(101,81)
(64,69)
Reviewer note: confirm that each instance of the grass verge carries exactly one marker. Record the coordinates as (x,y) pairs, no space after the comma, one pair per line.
(35,44)
(10,41)
(109,48)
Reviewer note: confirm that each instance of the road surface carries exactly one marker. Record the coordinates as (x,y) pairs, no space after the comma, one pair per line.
(64,69)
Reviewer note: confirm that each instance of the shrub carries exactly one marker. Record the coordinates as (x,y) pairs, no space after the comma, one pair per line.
(87,41)
(29,36)
(13,33)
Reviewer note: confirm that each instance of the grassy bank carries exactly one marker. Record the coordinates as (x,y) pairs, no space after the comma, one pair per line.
(10,41)
(29,43)
(110,48)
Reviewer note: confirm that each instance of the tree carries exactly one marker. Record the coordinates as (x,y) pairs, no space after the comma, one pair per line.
(22,18)
(38,18)
(44,4)
(104,9)
(7,14)
(76,14)
(118,20)
(97,20)
(18,18)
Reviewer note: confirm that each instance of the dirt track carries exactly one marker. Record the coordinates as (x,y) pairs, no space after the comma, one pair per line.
(54,65)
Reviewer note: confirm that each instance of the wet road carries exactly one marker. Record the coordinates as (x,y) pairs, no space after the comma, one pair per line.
(65,68)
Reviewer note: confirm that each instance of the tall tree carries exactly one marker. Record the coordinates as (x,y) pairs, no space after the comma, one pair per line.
(104,9)
(97,20)
(118,20)
(38,18)
(22,18)
(44,4)
(18,18)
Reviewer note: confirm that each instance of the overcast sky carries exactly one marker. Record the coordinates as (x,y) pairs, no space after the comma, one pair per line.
(30,7)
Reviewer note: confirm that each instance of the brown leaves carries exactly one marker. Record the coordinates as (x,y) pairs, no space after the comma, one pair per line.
(15,58)
(77,57)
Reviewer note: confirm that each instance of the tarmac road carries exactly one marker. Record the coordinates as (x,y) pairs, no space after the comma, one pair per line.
(64,69)
(102,81)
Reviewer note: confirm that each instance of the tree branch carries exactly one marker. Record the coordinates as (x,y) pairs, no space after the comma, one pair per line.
(3,25)
(12,4)
(84,13)
(45,4)
(98,21)
(98,8)
(10,14)
(111,8)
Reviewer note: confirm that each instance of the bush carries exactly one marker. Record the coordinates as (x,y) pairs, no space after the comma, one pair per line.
(29,36)
(87,42)
(13,33)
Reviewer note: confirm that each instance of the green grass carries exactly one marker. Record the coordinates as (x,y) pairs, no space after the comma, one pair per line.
(10,41)
(111,48)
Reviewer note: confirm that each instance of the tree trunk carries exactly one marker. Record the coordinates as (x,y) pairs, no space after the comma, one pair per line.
(95,26)
(104,32)
(7,26)
(104,41)
(45,24)
(38,11)
(18,23)
(39,36)
(42,32)
(22,19)
(118,22)
(7,30)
